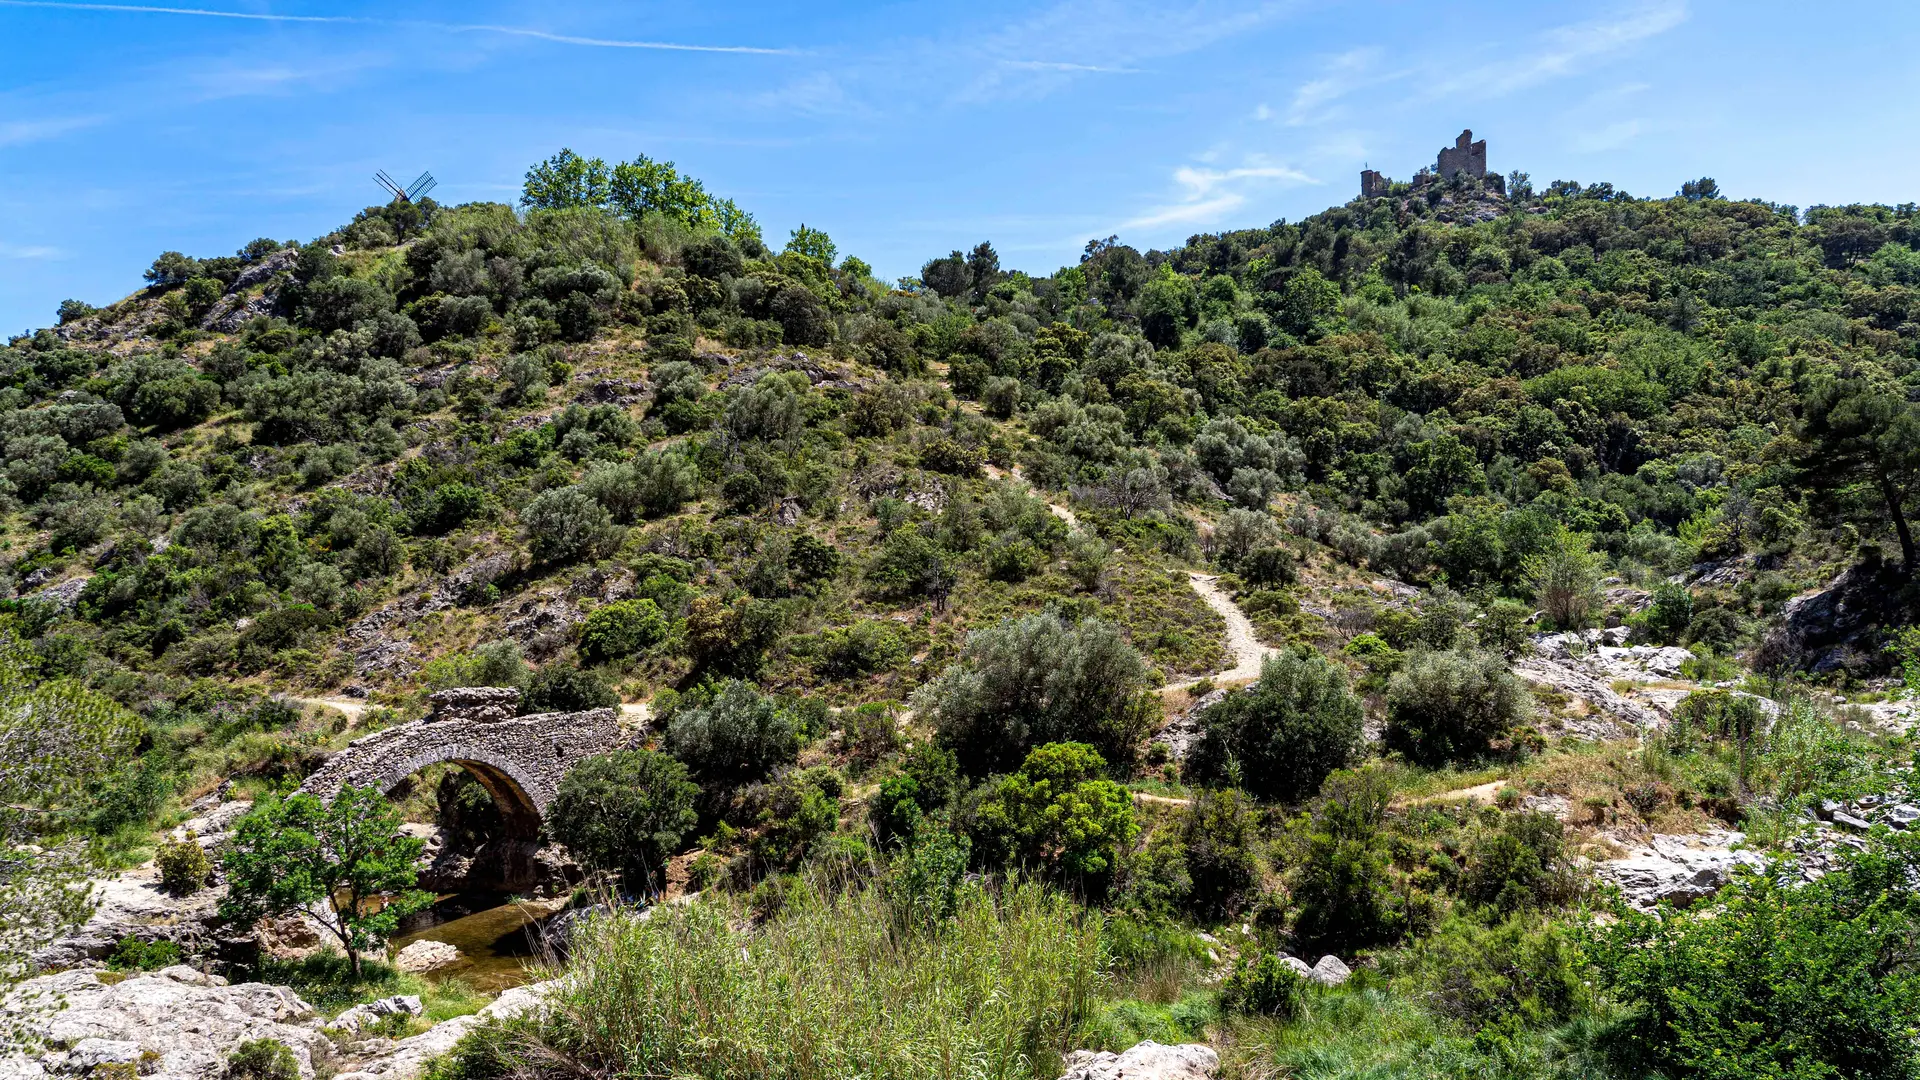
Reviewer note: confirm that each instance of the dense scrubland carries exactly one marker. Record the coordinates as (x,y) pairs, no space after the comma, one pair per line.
(900,573)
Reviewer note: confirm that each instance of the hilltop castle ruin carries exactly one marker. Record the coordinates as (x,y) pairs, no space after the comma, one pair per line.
(1464,156)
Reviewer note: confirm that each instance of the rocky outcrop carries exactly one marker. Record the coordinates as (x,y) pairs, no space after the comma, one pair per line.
(1181,732)
(1678,870)
(407,1058)
(1608,711)
(180,1024)
(134,905)
(1836,627)
(177,1024)
(1144,1061)
(64,595)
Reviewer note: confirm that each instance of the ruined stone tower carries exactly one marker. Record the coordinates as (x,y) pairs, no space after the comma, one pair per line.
(1464,156)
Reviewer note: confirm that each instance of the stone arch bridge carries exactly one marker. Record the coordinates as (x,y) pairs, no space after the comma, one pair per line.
(518,759)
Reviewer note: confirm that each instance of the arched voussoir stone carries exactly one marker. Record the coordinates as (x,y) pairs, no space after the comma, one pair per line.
(519,760)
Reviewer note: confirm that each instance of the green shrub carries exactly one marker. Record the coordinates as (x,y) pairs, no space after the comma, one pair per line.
(1342,887)
(1520,970)
(867,646)
(1264,986)
(1269,567)
(1039,679)
(928,879)
(1775,977)
(626,811)
(736,735)
(566,524)
(184,866)
(561,688)
(1521,863)
(1670,614)
(621,629)
(801,808)
(1058,817)
(262,1059)
(132,954)
(1452,706)
(1218,835)
(1283,734)
(495,663)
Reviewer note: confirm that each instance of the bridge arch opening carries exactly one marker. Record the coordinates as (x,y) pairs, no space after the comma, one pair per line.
(518,812)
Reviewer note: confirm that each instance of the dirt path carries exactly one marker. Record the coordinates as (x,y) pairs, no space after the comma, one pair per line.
(1479,794)
(1061,512)
(1160,800)
(352,708)
(1244,645)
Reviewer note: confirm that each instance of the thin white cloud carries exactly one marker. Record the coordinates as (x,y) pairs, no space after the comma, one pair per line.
(17,251)
(1206,210)
(452,28)
(1201,182)
(1061,65)
(16,132)
(1098,37)
(1210,195)
(1566,50)
(1345,73)
(1611,137)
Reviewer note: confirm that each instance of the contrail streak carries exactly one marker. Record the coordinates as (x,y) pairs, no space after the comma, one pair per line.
(452,28)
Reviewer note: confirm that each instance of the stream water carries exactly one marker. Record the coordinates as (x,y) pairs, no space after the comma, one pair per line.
(494,935)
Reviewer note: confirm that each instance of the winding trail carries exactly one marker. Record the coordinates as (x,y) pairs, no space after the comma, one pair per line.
(1249,653)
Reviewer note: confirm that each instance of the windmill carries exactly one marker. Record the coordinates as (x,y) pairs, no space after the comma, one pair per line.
(420,186)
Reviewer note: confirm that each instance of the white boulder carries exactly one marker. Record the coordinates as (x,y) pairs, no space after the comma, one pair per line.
(423,956)
(1145,1061)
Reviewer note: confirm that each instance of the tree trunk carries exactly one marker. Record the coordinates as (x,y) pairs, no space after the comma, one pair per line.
(1900,527)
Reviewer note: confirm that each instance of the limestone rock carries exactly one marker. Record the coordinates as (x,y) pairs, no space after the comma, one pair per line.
(180,1023)
(64,595)
(211,826)
(1180,733)
(133,904)
(1834,628)
(1330,971)
(408,1057)
(360,1017)
(424,956)
(90,1054)
(1677,869)
(1144,1061)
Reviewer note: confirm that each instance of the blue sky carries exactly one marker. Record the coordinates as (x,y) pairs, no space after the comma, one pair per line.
(907,130)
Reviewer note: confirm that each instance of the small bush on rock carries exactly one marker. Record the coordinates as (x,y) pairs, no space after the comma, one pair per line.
(184,866)
(262,1059)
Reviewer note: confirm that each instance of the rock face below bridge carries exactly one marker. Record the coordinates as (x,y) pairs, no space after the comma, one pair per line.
(519,759)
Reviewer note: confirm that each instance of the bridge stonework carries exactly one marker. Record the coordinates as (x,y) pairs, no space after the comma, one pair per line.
(518,759)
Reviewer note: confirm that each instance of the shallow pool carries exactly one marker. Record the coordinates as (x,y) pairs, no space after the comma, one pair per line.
(494,934)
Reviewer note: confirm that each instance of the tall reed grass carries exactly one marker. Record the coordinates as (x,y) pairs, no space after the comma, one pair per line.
(832,986)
